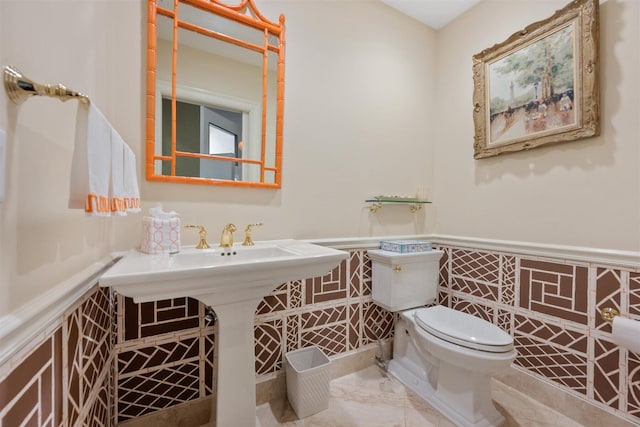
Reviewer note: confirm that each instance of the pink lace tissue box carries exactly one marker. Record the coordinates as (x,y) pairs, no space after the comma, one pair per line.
(160,235)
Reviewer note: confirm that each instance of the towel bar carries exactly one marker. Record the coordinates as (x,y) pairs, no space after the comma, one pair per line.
(19,88)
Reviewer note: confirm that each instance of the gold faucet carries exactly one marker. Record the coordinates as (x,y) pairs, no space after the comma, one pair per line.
(247,234)
(226,240)
(203,236)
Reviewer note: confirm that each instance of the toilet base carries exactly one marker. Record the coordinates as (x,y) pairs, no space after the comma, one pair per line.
(469,408)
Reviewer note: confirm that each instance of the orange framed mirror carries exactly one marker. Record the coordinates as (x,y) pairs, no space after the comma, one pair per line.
(215,94)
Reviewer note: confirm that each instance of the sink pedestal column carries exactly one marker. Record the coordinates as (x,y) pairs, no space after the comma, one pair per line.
(236,390)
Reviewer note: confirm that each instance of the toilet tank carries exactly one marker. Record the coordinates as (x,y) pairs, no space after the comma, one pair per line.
(403,281)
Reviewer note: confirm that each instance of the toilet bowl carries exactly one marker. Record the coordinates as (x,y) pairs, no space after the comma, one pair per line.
(453,378)
(445,356)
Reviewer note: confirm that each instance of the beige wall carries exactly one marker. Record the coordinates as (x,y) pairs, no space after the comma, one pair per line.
(368,110)
(584,193)
(359,121)
(353,128)
(91,46)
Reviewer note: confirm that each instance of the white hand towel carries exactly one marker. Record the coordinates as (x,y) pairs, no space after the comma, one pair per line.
(131,190)
(116,197)
(91,165)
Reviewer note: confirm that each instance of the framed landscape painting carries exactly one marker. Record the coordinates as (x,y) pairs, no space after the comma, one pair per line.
(541,85)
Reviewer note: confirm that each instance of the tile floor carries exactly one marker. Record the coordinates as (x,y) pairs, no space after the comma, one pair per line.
(370,398)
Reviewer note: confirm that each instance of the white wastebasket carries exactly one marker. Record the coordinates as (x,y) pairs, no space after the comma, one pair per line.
(308,375)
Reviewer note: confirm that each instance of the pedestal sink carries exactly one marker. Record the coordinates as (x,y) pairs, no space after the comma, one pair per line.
(232,281)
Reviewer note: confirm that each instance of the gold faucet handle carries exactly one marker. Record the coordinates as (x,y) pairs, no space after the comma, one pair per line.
(202,244)
(226,239)
(247,234)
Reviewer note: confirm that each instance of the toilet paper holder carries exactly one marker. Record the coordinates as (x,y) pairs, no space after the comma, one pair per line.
(608,314)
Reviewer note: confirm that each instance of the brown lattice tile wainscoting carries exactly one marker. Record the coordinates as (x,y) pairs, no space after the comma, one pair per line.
(64,376)
(106,360)
(550,304)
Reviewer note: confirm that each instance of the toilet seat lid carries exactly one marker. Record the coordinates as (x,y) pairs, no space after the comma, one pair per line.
(463,329)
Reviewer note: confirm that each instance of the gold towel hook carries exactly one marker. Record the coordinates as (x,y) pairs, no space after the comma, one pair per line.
(608,314)
(19,88)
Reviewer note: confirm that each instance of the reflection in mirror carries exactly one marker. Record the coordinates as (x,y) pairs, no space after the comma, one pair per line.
(215,94)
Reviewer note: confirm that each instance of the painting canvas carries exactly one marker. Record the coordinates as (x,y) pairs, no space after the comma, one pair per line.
(540,86)
(532,90)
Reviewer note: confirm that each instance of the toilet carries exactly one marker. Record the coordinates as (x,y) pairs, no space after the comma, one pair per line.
(445,356)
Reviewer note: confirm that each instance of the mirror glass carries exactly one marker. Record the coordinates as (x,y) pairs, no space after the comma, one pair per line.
(214,94)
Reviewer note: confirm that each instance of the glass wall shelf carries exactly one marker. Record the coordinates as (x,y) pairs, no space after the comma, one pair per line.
(414,203)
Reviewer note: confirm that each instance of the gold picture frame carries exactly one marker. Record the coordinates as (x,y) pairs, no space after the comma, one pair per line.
(541,85)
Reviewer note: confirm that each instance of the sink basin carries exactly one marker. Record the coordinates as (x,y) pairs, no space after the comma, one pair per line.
(219,271)
(208,258)
(232,281)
